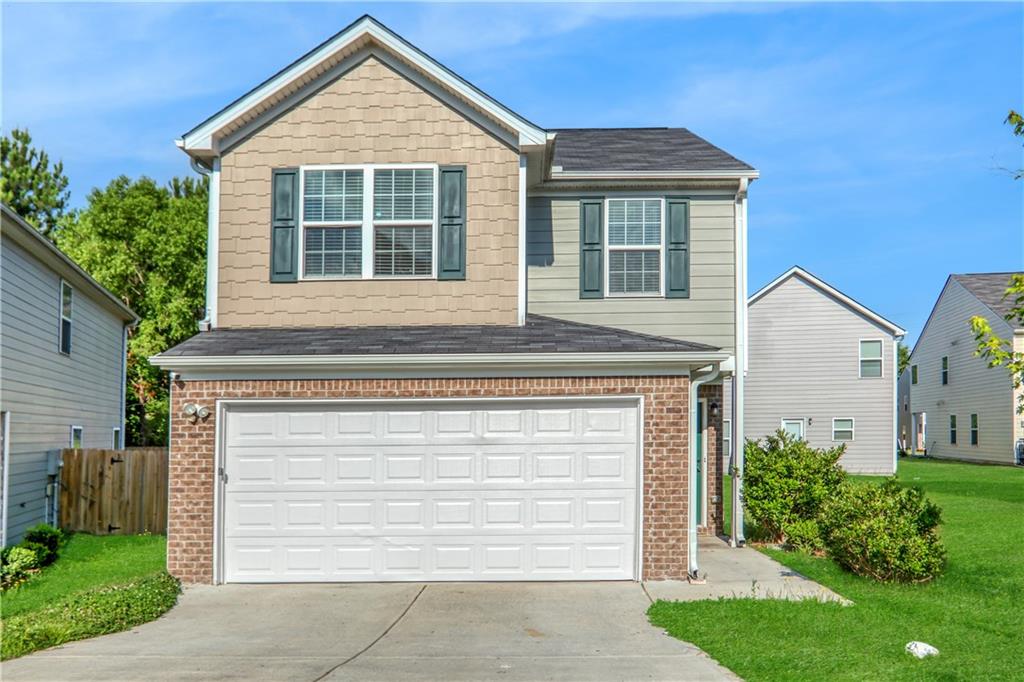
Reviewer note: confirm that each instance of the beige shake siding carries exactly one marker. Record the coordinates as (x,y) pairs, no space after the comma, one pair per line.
(707,316)
(369,115)
(973,388)
(804,364)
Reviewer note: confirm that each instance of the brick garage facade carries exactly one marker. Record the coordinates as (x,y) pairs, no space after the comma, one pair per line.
(666,398)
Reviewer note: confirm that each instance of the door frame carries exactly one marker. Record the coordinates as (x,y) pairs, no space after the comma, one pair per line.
(222,406)
(702,480)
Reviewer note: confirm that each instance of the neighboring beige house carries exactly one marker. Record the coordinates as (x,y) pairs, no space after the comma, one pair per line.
(959,407)
(62,371)
(822,367)
(444,343)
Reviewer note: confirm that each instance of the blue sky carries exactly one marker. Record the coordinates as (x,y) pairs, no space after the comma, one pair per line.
(877,127)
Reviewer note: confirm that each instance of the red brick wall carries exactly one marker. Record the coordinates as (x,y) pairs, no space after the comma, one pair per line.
(190,520)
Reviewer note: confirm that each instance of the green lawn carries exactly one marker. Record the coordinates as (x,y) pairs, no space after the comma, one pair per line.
(98,585)
(974,613)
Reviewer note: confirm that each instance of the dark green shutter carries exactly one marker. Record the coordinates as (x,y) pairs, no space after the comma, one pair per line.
(451,230)
(284,225)
(591,248)
(677,253)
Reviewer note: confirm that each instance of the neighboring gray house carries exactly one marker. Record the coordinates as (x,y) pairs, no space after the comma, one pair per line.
(959,407)
(823,368)
(62,364)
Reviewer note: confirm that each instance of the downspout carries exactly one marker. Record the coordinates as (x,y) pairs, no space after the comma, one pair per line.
(736,538)
(691,495)
(212,174)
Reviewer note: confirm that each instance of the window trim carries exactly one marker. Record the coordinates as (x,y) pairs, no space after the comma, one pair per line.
(952,429)
(913,375)
(852,429)
(944,371)
(727,437)
(368,224)
(61,318)
(803,425)
(975,429)
(115,438)
(880,358)
(607,247)
(81,436)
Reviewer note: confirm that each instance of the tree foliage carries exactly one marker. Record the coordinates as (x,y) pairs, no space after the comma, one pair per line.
(147,244)
(29,185)
(903,357)
(997,350)
(1016,121)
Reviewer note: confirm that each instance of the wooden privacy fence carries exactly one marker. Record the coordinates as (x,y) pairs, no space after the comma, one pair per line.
(120,492)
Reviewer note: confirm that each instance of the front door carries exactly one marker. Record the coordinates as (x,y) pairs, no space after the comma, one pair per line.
(794,427)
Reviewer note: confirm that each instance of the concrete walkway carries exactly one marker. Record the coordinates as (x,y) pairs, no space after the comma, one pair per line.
(740,572)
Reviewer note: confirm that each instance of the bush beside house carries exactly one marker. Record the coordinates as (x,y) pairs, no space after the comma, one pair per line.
(798,496)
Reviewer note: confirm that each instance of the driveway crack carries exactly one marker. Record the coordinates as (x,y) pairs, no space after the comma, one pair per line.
(379,637)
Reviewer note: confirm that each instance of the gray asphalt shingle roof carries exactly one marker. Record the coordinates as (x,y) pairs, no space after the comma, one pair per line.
(639,149)
(539,335)
(989,287)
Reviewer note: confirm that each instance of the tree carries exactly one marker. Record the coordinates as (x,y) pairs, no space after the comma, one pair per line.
(147,244)
(902,357)
(999,351)
(1017,121)
(34,190)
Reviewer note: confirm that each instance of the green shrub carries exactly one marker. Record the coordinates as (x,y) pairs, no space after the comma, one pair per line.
(48,536)
(17,564)
(886,532)
(88,614)
(804,536)
(785,483)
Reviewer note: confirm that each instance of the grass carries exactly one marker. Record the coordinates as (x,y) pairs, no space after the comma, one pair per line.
(973,613)
(98,585)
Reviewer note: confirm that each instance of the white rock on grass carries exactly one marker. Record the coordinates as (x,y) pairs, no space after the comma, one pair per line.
(921,650)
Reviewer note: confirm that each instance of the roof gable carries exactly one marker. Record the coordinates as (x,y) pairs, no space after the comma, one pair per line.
(830,291)
(324,63)
(990,289)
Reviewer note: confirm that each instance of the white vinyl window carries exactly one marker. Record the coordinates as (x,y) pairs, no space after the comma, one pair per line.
(66,307)
(727,437)
(842,429)
(870,359)
(634,244)
(369,221)
(115,438)
(76,437)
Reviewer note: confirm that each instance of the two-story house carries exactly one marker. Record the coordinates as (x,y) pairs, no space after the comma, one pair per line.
(62,371)
(444,343)
(953,405)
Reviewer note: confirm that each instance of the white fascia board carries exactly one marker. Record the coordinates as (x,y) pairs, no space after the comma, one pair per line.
(462,364)
(201,138)
(656,175)
(797,271)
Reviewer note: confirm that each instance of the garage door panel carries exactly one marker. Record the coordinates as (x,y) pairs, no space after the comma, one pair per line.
(478,491)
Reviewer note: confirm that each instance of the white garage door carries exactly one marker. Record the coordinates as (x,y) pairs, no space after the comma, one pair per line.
(488,490)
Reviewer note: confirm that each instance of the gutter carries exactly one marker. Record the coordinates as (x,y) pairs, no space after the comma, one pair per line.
(736,538)
(691,495)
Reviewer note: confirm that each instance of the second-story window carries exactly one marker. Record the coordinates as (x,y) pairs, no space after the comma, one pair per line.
(945,370)
(634,247)
(66,305)
(368,221)
(870,359)
(913,374)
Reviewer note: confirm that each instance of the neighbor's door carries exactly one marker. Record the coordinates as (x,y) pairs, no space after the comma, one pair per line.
(794,427)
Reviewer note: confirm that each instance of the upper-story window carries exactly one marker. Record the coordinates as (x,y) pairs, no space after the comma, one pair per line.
(913,374)
(66,307)
(870,359)
(369,221)
(945,370)
(634,247)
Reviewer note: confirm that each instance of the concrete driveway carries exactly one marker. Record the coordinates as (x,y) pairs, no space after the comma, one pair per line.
(461,631)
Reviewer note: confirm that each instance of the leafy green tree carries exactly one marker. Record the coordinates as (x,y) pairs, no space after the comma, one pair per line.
(902,357)
(997,350)
(147,244)
(34,190)
(1017,121)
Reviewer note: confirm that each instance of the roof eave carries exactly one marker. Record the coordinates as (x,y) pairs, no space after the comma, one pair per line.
(703,174)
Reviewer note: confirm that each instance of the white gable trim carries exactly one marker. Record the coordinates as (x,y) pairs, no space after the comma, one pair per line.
(201,138)
(797,271)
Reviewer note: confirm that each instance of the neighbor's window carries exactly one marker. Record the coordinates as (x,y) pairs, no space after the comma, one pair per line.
(945,370)
(842,429)
(913,374)
(952,429)
(906,403)
(974,429)
(870,359)
(368,221)
(332,215)
(76,436)
(634,247)
(727,437)
(64,333)
(115,438)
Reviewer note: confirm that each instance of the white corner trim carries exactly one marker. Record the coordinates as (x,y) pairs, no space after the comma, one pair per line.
(797,271)
(213,244)
(5,427)
(201,137)
(521,317)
